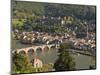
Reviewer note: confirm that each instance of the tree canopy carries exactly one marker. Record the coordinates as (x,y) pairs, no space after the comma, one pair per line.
(52,9)
(65,62)
(21,64)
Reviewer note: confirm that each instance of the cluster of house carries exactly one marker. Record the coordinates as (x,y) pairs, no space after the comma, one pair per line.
(48,38)
(59,20)
(84,43)
(38,37)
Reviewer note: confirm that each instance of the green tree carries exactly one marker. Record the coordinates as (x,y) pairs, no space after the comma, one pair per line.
(21,64)
(65,61)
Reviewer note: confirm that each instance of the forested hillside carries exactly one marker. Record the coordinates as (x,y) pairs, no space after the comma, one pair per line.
(37,9)
(52,17)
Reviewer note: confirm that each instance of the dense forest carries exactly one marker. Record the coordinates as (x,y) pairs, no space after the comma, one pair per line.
(37,9)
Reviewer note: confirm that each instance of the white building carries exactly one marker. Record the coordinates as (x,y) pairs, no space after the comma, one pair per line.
(37,63)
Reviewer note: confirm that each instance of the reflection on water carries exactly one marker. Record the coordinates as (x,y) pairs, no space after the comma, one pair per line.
(82,61)
(48,57)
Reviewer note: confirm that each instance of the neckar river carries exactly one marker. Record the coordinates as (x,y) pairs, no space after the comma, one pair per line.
(82,61)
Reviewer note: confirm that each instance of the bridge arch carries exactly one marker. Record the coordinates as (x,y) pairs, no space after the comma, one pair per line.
(39,50)
(22,52)
(31,51)
(36,49)
(46,48)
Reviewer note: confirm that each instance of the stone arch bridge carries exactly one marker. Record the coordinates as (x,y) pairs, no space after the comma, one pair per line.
(35,48)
